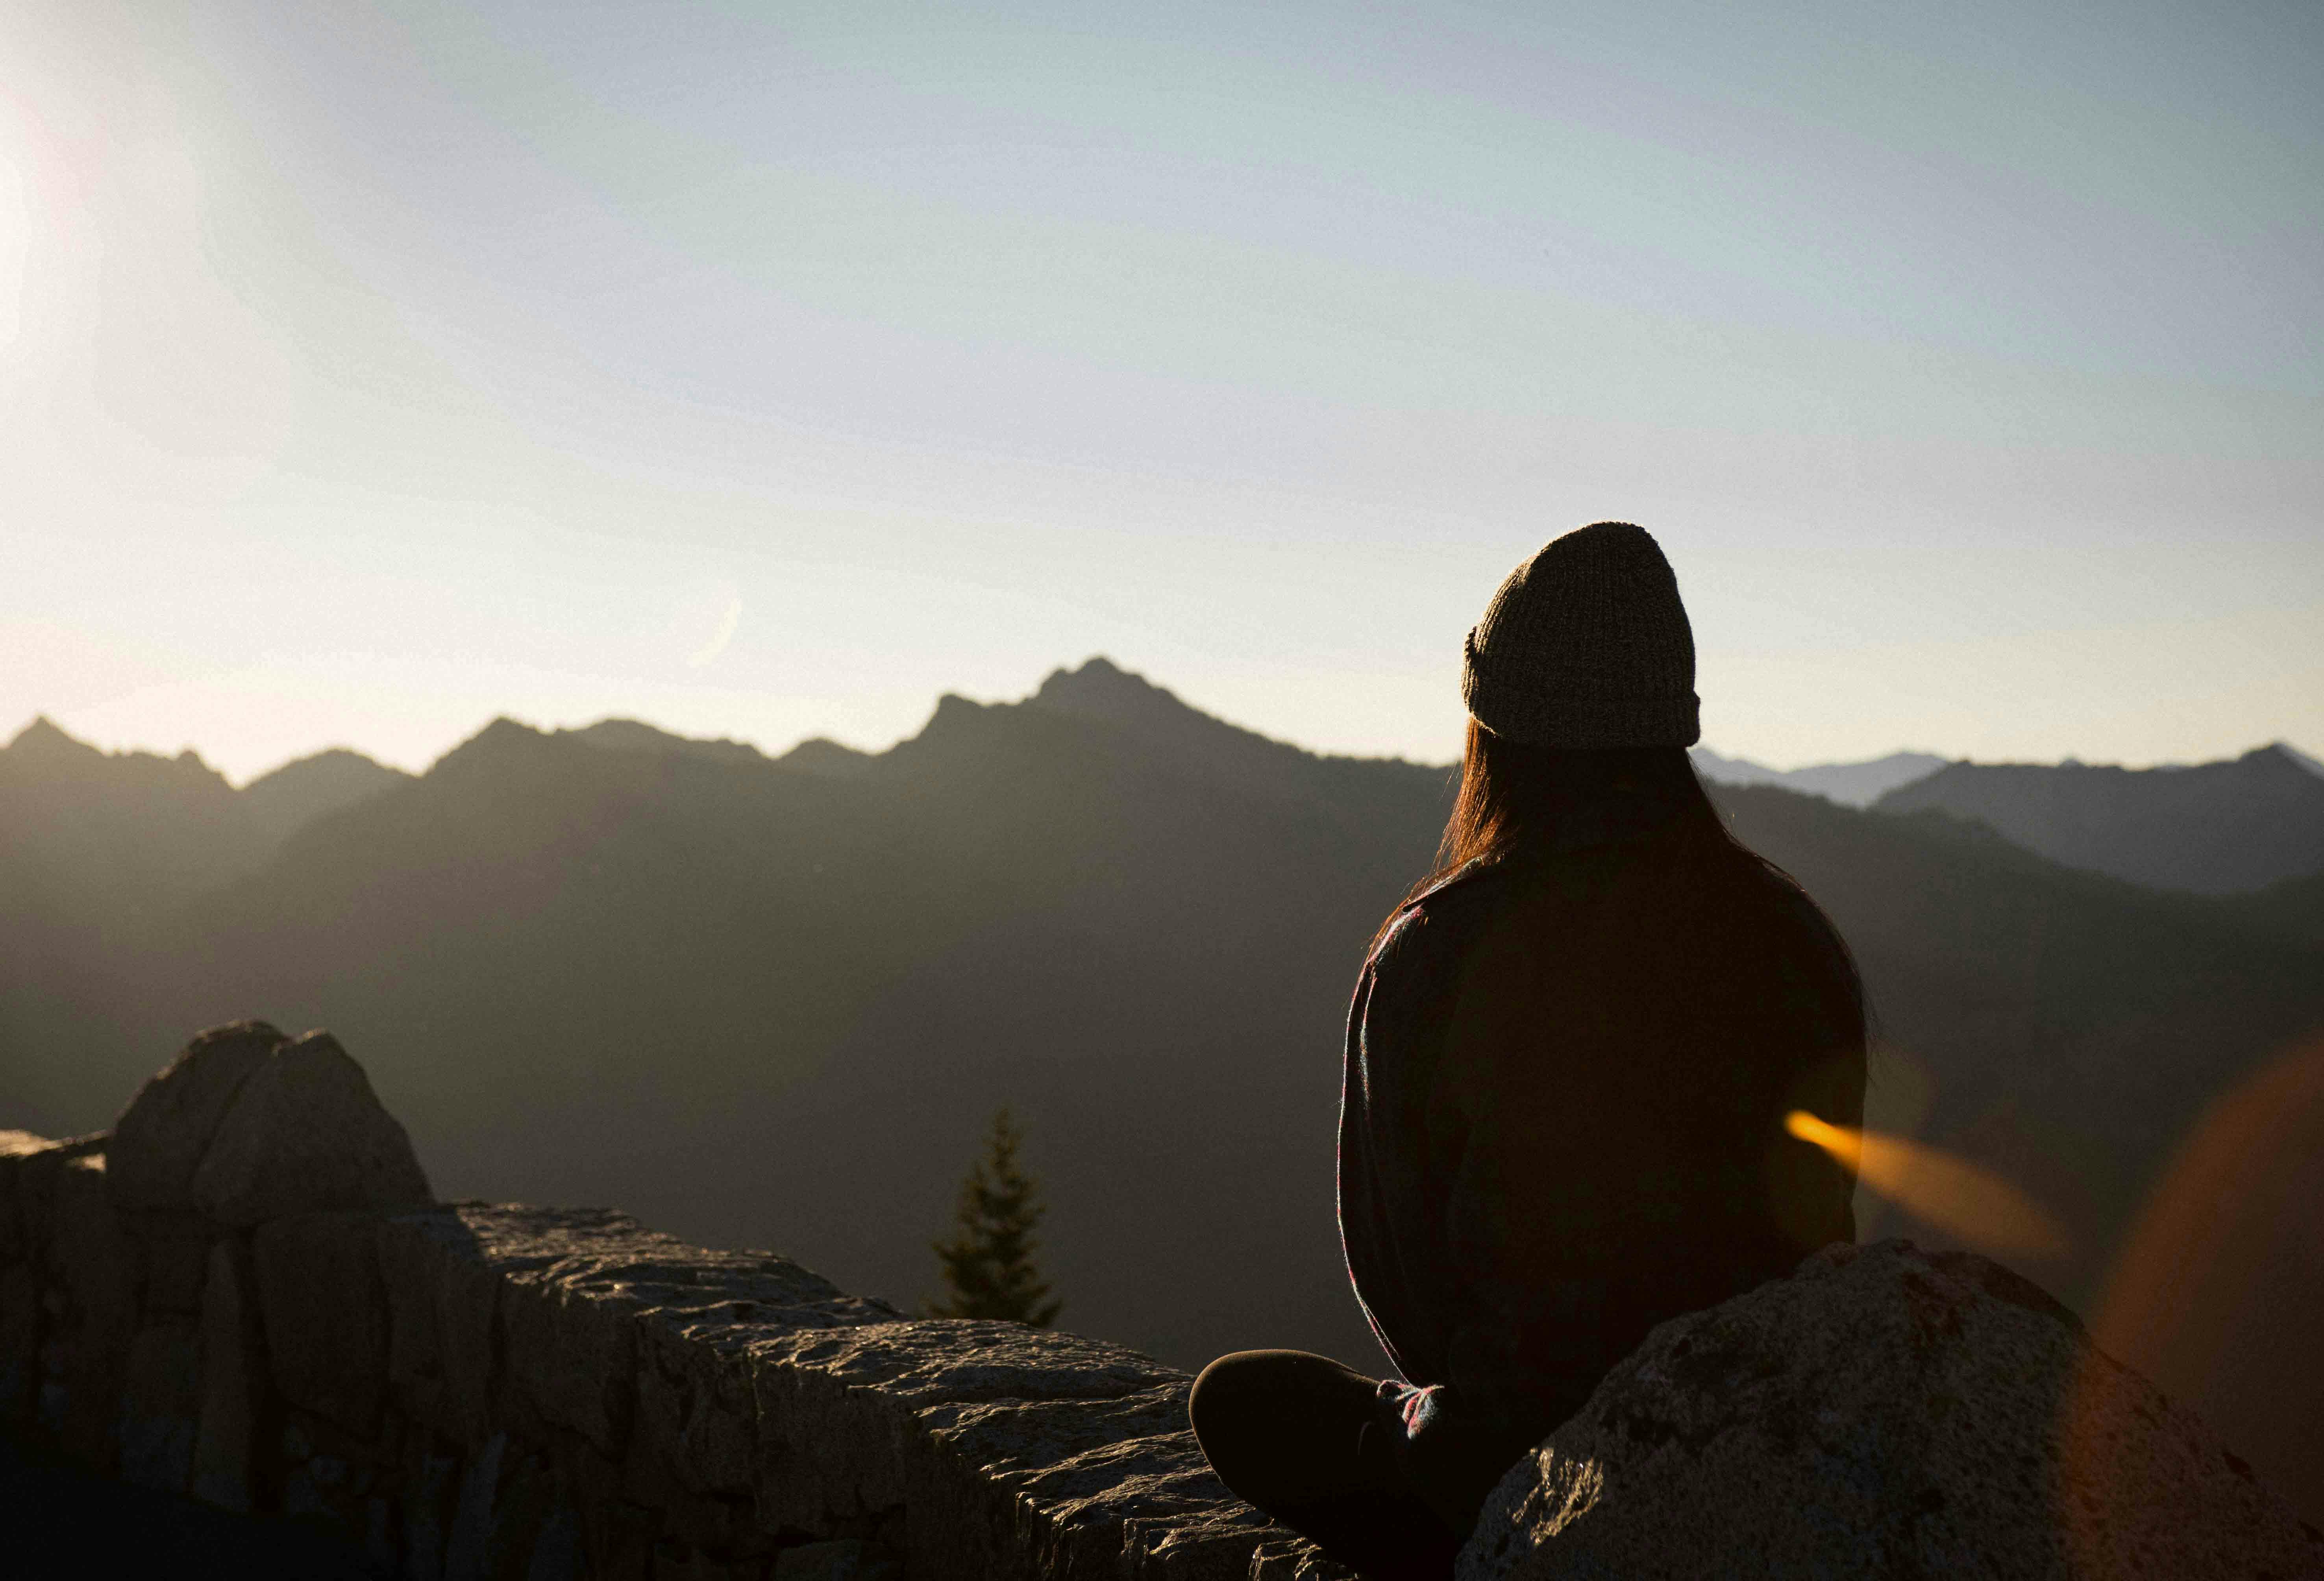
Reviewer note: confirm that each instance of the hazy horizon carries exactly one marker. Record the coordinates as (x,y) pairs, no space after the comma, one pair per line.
(376,369)
(777,749)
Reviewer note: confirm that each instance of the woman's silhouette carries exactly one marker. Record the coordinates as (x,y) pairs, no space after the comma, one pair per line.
(1568,1059)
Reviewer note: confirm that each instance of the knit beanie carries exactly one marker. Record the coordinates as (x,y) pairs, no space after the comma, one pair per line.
(1586,645)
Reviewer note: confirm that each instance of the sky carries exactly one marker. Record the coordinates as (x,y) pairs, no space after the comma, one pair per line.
(368,370)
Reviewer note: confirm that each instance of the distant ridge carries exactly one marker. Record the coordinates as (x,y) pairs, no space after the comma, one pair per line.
(1102,692)
(295,795)
(100,833)
(1855,785)
(2214,828)
(821,755)
(634,735)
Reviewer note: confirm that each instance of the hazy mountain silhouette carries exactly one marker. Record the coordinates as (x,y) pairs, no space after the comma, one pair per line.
(2215,828)
(101,837)
(776,1001)
(286,800)
(94,837)
(1858,785)
(632,736)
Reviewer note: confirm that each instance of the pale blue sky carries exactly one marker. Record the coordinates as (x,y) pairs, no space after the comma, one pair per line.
(371,369)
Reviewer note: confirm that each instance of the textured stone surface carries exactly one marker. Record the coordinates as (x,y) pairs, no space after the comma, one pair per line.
(325,1314)
(93,1258)
(89,1250)
(161,1137)
(160,1406)
(16,1148)
(1089,1486)
(847,1559)
(1885,1413)
(20,1337)
(226,1432)
(305,1134)
(171,1253)
(480,1391)
(443,1299)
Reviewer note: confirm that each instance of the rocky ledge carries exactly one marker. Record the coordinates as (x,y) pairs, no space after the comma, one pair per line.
(244,1292)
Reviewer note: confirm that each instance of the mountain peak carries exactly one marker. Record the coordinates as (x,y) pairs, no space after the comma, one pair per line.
(42,739)
(1102,690)
(636,735)
(502,737)
(1852,784)
(288,799)
(821,755)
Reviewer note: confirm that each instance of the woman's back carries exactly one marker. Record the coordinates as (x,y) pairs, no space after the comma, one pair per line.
(1568,1073)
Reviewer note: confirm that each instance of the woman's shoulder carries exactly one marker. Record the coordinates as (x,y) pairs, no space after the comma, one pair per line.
(1795,937)
(1787,906)
(1440,917)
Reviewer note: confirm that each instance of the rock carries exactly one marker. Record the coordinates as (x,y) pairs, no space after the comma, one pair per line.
(161,1137)
(575,1354)
(1075,1484)
(171,1252)
(1000,1446)
(89,1249)
(442,1299)
(227,1430)
(160,1403)
(429,1482)
(15,1146)
(525,1503)
(30,1169)
(1883,1413)
(472,1518)
(576,1283)
(305,1134)
(19,1279)
(325,1314)
(556,1551)
(847,1559)
(94,1258)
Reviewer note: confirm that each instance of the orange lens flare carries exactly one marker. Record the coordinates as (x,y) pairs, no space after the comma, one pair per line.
(1978,1208)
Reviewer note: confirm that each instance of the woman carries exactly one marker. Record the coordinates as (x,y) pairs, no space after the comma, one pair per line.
(1569,1061)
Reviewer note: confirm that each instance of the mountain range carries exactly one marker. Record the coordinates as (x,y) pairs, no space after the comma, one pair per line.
(2212,828)
(1855,785)
(774,1001)
(2221,827)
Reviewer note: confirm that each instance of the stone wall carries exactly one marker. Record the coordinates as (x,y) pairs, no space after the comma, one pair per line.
(243,1293)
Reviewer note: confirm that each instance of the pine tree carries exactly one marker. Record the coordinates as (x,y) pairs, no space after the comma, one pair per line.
(988,1264)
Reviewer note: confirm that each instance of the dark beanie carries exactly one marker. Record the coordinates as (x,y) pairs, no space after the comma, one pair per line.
(1586,645)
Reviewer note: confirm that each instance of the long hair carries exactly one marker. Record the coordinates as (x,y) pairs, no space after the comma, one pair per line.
(1515,796)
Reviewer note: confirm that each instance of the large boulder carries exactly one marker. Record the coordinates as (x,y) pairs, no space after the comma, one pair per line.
(163,1135)
(325,1313)
(305,1134)
(1883,1413)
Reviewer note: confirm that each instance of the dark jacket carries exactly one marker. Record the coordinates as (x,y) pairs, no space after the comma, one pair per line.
(1562,1123)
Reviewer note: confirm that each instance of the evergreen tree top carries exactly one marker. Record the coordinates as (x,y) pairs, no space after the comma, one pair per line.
(988,1263)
